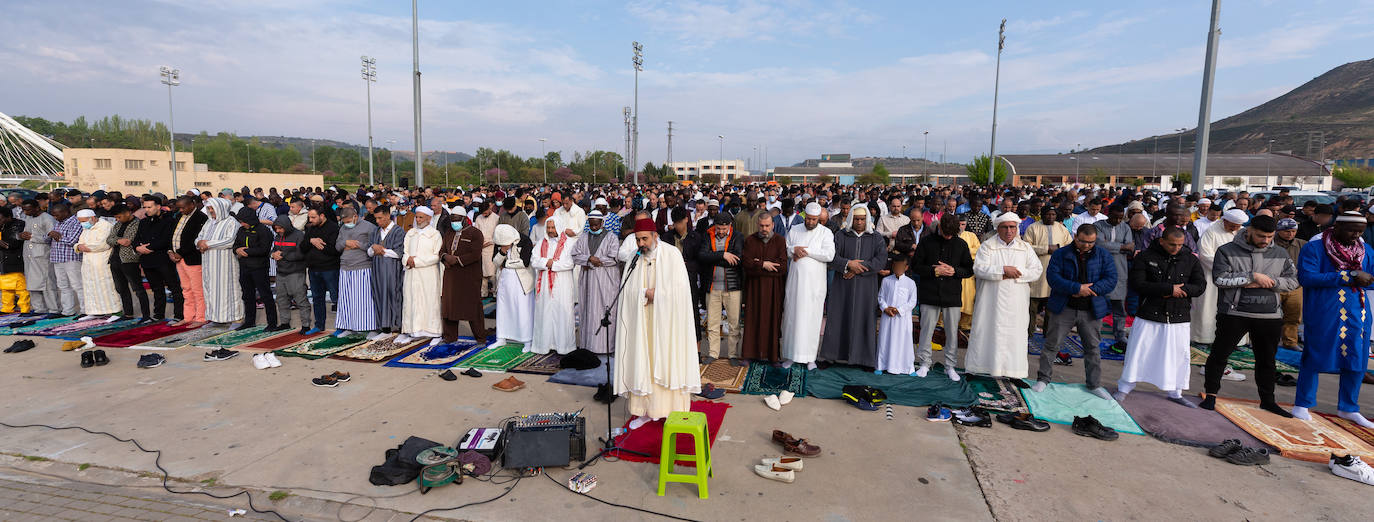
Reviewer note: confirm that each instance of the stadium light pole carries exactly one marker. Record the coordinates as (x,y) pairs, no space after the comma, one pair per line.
(1204,111)
(996,83)
(415,48)
(391,145)
(171,77)
(370,77)
(925,150)
(544,165)
(1178,153)
(721,164)
(639,66)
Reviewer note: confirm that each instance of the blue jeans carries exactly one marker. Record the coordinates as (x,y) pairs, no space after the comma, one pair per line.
(322,281)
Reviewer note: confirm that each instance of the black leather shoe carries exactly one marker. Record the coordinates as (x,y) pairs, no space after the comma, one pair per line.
(87,359)
(21,345)
(100,358)
(1023,421)
(1090,427)
(1225,449)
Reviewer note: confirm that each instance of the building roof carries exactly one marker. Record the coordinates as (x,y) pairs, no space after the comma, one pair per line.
(1162,164)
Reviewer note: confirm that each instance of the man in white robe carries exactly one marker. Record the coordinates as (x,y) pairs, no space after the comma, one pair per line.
(1204,319)
(514,286)
(656,342)
(97,282)
(420,306)
(1005,268)
(811,248)
(486,222)
(219,268)
(595,256)
(555,291)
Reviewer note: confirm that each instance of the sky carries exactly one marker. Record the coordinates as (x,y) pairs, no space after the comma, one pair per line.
(794,78)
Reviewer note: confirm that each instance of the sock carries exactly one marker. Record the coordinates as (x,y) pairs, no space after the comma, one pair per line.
(953,375)
(1120,396)
(922,371)
(1101,392)
(877,372)
(1355,417)
(1125,388)
(1209,402)
(1300,412)
(1180,400)
(811,366)
(1039,386)
(636,422)
(1273,407)
(1175,394)
(787,363)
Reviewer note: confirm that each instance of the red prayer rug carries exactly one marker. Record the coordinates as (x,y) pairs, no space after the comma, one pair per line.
(140,335)
(648,439)
(280,341)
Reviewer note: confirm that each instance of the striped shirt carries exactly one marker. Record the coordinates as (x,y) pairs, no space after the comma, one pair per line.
(64,248)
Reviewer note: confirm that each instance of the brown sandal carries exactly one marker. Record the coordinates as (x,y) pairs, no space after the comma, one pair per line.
(509,384)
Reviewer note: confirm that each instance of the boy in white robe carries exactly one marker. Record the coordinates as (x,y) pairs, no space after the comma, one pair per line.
(896,299)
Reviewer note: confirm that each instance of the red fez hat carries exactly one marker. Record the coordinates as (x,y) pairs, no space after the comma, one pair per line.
(645,225)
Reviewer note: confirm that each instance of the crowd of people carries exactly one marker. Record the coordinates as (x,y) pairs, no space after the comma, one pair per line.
(862,275)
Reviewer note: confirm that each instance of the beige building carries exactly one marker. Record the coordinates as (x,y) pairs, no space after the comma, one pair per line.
(139,171)
(728,170)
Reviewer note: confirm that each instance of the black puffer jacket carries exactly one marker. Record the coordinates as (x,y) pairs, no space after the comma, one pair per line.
(12,254)
(256,238)
(1153,276)
(709,258)
(941,291)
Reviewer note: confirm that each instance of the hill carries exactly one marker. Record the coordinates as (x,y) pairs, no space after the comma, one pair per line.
(1339,105)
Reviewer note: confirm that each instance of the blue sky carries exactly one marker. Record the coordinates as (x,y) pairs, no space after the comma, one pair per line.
(796,77)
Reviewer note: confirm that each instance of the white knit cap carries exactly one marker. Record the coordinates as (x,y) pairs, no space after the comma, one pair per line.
(1236,216)
(813,209)
(85,213)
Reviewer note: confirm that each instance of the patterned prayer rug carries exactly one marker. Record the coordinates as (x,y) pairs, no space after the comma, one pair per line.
(322,347)
(1239,360)
(378,350)
(117,325)
(497,359)
(282,341)
(182,340)
(39,324)
(235,338)
(764,379)
(63,329)
(724,375)
(546,364)
(1312,441)
(441,356)
(9,319)
(138,335)
(1364,434)
(997,393)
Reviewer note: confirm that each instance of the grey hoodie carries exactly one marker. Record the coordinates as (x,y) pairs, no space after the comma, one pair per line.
(1235,265)
(289,244)
(357,258)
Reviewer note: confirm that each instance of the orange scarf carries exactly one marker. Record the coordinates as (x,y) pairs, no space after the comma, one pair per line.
(544,253)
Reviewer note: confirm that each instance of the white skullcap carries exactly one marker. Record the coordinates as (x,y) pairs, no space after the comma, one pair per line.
(505,235)
(712,203)
(1236,216)
(600,202)
(859,211)
(813,209)
(477,199)
(1006,217)
(1204,201)
(371,195)
(195,191)
(85,213)
(424,210)
(596,214)
(458,210)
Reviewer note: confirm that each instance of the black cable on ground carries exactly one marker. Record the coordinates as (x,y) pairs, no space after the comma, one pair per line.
(478,503)
(157,462)
(613,504)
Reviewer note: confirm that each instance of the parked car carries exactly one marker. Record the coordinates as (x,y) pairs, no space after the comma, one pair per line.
(1301,197)
(23,193)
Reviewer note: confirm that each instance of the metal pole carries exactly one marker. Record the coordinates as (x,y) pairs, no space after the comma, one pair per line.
(996,83)
(371,66)
(638,61)
(925,149)
(171,123)
(415,49)
(545,165)
(721,164)
(312,153)
(1204,112)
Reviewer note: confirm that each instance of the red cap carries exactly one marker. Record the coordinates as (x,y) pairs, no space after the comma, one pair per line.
(645,225)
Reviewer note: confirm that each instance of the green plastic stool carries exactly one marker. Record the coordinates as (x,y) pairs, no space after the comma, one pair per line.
(691,423)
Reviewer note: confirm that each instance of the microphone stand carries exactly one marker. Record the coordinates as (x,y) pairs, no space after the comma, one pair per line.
(608,444)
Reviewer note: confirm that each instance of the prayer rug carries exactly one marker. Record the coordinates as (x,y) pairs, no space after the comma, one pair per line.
(724,375)
(764,379)
(235,338)
(648,439)
(497,359)
(9,319)
(183,339)
(1364,434)
(903,390)
(39,324)
(546,364)
(281,341)
(441,356)
(1174,423)
(1074,346)
(118,325)
(138,335)
(322,347)
(1239,360)
(1312,441)
(64,329)
(378,350)
(996,393)
(1061,402)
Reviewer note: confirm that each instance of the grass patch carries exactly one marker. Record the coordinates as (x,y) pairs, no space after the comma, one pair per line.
(210,481)
(35,458)
(83,467)
(278,495)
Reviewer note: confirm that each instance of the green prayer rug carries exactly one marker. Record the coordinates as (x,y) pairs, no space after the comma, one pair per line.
(322,347)
(40,324)
(234,338)
(1239,360)
(903,390)
(497,359)
(764,379)
(997,393)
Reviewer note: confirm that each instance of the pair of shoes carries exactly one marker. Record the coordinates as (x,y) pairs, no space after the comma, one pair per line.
(331,380)
(95,358)
(776,402)
(710,391)
(448,375)
(21,345)
(1232,451)
(1023,421)
(1351,467)
(781,469)
(938,413)
(509,384)
(220,354)
(975,416)
(706,359)
(1063,359)
(152,360)
(1285,379)
(795,446)
(1118,347)
(1229,374)
(245,326)
(1090,427)
(267,360)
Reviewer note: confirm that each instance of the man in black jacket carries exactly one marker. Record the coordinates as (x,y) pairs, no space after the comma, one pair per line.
(718,261)
(291,276)
(322,262)
(1166,276)
(12,282)
(153,241)
(182,251)
(942,262)
(252,244)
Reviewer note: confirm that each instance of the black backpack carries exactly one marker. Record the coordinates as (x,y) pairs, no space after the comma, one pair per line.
(400,466)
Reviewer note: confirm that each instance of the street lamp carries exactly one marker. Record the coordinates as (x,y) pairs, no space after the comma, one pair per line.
(1075,168)
(1267,150)
(369,77)
(171,77)
(1178,155)
(721,162)
(926,150)
(390,147)
(639,66)
(545,165)
(312,153)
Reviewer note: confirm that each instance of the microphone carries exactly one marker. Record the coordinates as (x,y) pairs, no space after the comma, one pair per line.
(635,259)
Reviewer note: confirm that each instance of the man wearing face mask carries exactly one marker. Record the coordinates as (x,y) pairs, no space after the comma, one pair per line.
(421,317)
(462,259)
(595,256)
(357,310)
(252,247)
(97,281)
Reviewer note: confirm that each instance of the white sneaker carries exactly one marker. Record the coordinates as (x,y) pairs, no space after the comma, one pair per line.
(792,463)
(775,473)
(260,362)
(1229,374)
(271,359)
(1357,470)
(784,397)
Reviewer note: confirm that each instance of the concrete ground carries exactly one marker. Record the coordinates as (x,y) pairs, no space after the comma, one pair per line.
(226,426)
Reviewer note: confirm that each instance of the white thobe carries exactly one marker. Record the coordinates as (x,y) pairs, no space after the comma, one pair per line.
(656,343)
(573,218)
(555,291)
(97,283)
(998,339)
(1204,318)
(895,350)
(420,305)
(487,225)
(514,299)
(805,299)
